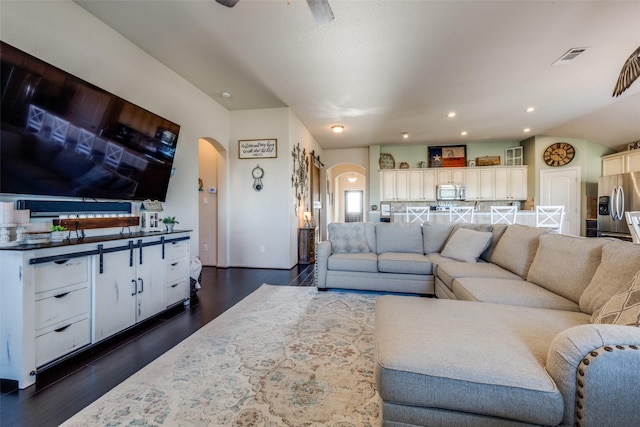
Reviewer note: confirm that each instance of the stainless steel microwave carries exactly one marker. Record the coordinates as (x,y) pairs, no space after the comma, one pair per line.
(451,192)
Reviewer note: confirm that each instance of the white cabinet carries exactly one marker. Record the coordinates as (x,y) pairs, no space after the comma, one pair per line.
(511,183)
(614,164)
(54,301)
(451,176)
(481,183)
(394,185)
(422,185)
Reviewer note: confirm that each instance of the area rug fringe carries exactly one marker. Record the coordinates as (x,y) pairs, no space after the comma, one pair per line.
(283,356)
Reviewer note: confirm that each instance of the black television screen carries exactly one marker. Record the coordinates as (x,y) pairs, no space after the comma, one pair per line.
(62,136)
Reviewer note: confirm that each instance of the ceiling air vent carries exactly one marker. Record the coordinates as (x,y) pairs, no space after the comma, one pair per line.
(569,55)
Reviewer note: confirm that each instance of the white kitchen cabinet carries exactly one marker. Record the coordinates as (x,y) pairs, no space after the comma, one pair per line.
(451,176)
(53,299)
(394,185)
(481,183)
(429,185)
(511,183)
(627,161)
(422,185)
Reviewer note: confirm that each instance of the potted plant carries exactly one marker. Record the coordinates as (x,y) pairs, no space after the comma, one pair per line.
(57,233)
(169,222)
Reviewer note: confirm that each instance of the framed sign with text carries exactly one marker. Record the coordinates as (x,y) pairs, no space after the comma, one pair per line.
(257,148)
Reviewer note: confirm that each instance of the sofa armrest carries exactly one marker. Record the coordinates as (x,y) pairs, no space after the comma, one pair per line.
(323,251)
(597,370)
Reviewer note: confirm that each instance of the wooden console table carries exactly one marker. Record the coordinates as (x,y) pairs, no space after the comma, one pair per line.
(307,245)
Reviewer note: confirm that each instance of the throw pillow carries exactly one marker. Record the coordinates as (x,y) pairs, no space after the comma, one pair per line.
(466,245)
(347,238)
(516,248)
(565,265)
(620,261)
(623,308)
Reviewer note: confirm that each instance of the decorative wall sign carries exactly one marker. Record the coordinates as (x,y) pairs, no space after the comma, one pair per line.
(257,148)
(451,156)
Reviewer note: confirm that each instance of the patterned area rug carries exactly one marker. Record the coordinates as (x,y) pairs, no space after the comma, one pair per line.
(283,356)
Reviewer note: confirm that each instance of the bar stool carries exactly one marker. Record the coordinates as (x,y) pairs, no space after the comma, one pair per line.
(461,214)
(633,219)
(415,213)
(503,214)
(550,217)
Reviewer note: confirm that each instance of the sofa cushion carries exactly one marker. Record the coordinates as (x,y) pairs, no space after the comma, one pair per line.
(565,264)
(348,237)
(370,234)
(452,362)
(623,308)
(391,237)
(435,236)
(393,262)
(497,230)
(511,292)
(517,247)
(365,261)
(448,271)
(466,245)
(620,262)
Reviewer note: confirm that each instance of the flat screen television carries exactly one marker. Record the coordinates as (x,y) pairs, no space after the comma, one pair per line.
(63,136)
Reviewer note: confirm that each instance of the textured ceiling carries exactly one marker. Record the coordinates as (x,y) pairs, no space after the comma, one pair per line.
(386,67)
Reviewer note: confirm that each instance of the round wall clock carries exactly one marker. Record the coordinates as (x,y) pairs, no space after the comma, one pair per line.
(257,173)
(559,154)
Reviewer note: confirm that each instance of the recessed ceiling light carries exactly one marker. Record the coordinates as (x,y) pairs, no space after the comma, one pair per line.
(337,128)
(526,130)
(463,133)
(405,135)
(225,95)
(530,109)
(451,114)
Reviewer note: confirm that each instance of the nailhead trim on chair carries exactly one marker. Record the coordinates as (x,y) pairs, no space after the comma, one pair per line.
(582,373)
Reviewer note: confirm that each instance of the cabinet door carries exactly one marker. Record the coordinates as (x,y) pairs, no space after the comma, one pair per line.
(415,185)
(444,176)
(114,294)
(502,180)
(613,165)
(632,161)
(387,186)
(472,181)
(151,283)
(429,185)
(402,185)
(518,183)
(457,175)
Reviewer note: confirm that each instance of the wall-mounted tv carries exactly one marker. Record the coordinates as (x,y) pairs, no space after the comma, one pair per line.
(62,136)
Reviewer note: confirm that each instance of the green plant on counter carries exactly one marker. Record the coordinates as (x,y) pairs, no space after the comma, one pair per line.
(170,220)
(58,228)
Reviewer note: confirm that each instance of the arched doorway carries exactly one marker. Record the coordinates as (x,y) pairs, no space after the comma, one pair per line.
(212,237)
(342,181)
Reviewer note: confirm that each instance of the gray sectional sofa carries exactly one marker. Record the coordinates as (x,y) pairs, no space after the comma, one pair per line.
(528,328)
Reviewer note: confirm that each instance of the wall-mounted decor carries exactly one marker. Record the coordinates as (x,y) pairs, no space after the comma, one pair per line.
(257,148)
(488,161)
(300,176)
(450,156)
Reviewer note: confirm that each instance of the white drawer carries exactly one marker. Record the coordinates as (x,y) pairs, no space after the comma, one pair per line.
(175,293)
(175,250)
(59,342)
(64,305)
(57,274)
(176,271)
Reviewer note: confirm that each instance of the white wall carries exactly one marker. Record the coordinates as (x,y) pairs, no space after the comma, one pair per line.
(65,35)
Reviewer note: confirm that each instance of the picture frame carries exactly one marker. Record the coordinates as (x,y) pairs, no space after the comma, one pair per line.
(257,148)
(447,156)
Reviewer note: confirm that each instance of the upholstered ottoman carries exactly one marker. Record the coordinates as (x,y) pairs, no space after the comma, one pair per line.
(452,363)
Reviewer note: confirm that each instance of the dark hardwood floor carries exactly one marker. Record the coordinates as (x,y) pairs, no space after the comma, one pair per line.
(66,388)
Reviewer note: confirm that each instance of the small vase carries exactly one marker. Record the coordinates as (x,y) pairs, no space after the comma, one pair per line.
(57,236)
(169,228)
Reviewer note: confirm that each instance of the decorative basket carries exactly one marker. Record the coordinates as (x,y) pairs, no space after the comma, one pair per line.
(488,161)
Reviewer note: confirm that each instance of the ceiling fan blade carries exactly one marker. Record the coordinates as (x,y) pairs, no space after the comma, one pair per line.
(629,73)
(228,3)
(321,11)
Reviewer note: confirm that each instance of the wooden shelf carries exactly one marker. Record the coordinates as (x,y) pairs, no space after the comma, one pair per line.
(75,224)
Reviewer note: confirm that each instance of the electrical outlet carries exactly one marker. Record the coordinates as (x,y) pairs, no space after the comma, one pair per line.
(205,247)
(262,249)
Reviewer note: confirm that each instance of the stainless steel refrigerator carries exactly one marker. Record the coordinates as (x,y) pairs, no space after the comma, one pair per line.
(617,194)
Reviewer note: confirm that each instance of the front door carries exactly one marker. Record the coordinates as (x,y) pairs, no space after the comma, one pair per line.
(561,187)
(353,206)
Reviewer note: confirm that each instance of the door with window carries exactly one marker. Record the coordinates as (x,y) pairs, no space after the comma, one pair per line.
(353,206)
